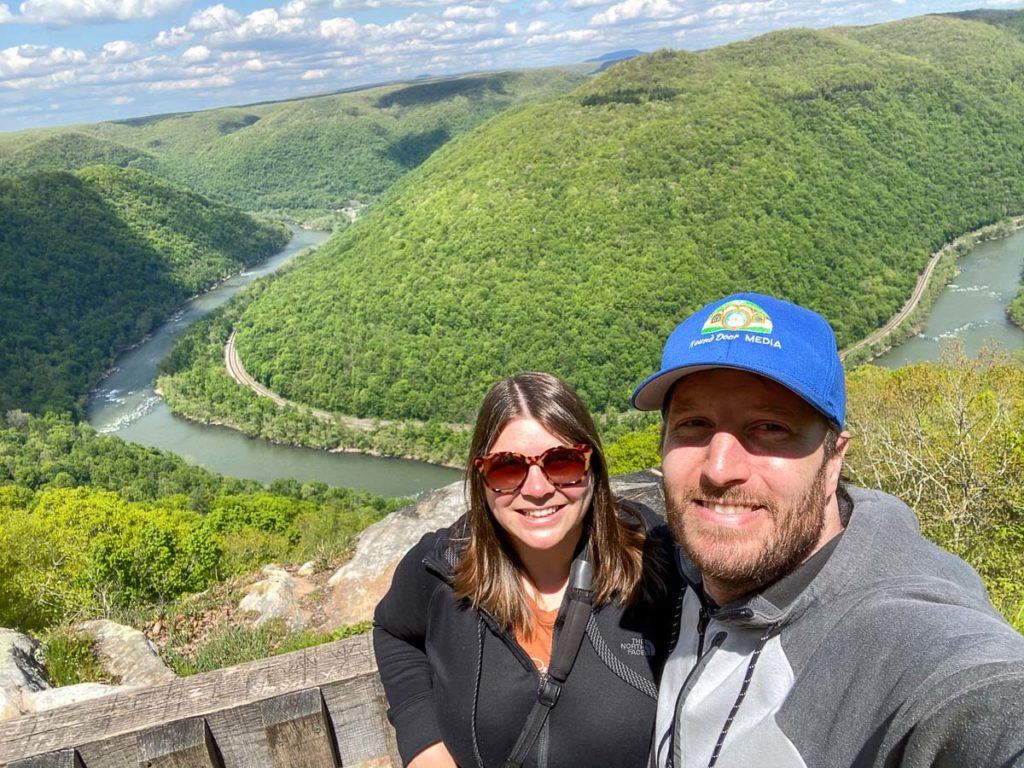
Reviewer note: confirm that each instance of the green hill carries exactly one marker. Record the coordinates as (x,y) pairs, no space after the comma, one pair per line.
(315,153)
(572,235)
(65,151)
(90,261)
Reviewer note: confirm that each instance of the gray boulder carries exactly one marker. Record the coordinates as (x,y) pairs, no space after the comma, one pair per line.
(51,698)
(126,654)
(21,672)
(360,584)
(278,596)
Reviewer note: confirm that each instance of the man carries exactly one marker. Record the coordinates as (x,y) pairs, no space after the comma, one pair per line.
(819,627)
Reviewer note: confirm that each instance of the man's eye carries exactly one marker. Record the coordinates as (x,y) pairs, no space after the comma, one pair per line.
(694,423)
(771,427)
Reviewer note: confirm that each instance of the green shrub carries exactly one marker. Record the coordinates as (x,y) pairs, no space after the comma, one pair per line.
(70,658)
(237,644)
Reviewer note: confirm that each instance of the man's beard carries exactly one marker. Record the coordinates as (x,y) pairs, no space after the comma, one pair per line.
(730,556)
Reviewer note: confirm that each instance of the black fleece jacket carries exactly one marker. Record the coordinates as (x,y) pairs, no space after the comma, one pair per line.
(451,674)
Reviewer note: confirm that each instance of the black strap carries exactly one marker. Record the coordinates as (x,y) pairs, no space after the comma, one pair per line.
(563,656)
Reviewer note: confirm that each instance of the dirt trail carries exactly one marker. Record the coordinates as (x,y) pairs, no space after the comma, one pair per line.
(234,365)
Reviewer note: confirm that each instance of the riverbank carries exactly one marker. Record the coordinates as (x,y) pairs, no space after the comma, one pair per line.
(127,405)
(940,271)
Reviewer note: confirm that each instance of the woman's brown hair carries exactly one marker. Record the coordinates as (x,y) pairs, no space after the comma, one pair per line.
(488,573)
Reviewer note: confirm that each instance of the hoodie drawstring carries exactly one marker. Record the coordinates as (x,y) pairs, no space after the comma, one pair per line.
(476,689)
(742,694)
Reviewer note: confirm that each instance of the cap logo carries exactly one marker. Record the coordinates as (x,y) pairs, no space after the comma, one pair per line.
(738,315)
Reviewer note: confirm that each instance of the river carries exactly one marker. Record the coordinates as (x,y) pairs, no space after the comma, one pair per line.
(972,309)
(124,404)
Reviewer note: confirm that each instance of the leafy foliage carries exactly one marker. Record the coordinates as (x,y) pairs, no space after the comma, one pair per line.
(90,261)
(315,153)
(1016,309)
(572,235)
(67,549)
(196,384)
(949,440)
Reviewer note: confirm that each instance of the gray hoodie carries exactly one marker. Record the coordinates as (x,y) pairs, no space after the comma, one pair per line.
(881,650)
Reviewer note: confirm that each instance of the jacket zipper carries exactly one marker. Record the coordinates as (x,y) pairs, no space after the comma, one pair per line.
(492,623)
(703,619)
(702,625)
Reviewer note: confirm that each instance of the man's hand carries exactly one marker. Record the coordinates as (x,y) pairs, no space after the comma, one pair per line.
(434,756)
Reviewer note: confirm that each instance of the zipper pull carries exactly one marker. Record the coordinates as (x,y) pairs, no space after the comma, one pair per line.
(702,621)
(702,624)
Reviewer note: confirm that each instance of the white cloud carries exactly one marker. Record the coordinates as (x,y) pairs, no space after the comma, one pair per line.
(120,50)
(315,74)
(172,37)
(470,12)
(731,10)
(214,18)
(575,5)
(536,27)
(340,29)
(568,36)
(5,13)
(296,8)
(71,11)
(196,54)
(33,59)
(119,101)
(192,83)
(264,24)
(634,9)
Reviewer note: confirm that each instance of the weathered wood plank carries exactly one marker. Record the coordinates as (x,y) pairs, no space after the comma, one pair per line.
(181,744)
(127,712)
(120,751)
(240,736)
(65,758)
(297,731)
(358,714)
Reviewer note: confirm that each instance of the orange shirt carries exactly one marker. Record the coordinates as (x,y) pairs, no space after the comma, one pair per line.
(538,644)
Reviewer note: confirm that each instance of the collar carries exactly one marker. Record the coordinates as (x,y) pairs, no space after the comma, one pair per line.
(776,603)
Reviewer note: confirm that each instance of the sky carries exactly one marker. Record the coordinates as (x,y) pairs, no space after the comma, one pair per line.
(81,61)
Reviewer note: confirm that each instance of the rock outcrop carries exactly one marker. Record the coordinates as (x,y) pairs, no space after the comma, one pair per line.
(21,673)
(278,596)
(24,686)
(362,581)
(126,654)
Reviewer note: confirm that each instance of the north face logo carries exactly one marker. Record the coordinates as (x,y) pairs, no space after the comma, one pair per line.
(638,647)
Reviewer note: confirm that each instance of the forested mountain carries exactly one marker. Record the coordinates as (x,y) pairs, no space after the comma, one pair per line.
(90,261)
(572,235)
(315,153)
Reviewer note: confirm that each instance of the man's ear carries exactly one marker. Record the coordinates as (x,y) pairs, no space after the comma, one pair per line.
(835,463)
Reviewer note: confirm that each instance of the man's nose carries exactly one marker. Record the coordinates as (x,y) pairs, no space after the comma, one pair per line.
(727,461)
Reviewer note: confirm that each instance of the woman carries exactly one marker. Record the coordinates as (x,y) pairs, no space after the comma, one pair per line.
(465,634)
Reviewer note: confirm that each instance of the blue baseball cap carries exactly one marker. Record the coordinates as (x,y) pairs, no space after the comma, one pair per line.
(762,334)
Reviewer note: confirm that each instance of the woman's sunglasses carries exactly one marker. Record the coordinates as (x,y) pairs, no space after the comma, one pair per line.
(563,466)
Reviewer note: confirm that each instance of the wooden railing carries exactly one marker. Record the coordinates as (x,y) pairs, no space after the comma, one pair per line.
(318,708)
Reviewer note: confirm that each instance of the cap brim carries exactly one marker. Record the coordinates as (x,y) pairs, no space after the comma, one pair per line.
(650,395)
